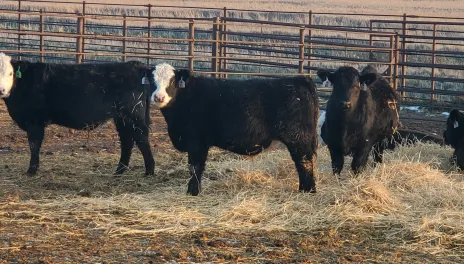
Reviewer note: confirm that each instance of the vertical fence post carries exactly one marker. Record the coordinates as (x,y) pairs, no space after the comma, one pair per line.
(392,59)
(434,58)
(397,55)
(220,47)
(310,48)
(224,41)
(42,30)
(191,47)
(79,38)
(124,34)
(215,47)
(403,54)
(83,27)
(149,34)
(371,41)
(302,51)
(19,29)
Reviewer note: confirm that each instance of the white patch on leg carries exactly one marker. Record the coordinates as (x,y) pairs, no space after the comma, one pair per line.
(6,75)
(320,122)
(162,75)
(456,124)
(364,87)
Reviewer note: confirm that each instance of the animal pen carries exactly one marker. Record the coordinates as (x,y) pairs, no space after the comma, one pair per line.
(423,57)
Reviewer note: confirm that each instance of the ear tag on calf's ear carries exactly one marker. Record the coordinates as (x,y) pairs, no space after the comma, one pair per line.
(456,124)
(145,80)
(326,83)
(364,87)
(18,73)
(181,83)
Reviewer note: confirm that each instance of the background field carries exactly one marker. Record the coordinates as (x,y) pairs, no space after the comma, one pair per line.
(408,210)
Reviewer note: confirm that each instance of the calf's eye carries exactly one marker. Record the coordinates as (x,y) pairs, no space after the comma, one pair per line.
(11,73)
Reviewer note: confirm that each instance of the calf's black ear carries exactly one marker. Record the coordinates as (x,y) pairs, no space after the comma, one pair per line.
(454,117)
(181,77)
(325,75)
(368,78)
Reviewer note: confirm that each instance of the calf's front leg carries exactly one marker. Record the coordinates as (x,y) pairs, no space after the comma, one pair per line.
(197,162)
(35,136)
(360,156)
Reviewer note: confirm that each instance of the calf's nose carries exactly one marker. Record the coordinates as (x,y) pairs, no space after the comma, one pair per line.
(345,105)
(2,91)
(159,98)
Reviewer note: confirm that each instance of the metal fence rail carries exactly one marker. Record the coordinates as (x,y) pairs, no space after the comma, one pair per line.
(423,57)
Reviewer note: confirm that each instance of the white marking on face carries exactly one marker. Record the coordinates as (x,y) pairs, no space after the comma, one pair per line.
(364,87)
(456,124)
(162,75)
(6,75)
(326,83)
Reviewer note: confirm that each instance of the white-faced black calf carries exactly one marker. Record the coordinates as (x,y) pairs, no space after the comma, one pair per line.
(242,116)
(81,96)
(361,112)
(454,136)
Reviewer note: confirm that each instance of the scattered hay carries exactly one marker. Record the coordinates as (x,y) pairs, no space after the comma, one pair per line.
(413,192)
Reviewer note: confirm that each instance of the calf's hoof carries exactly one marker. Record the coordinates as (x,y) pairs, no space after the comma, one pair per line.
(150,173)
(311,189)
(193,188)
(120,170)
(31,172)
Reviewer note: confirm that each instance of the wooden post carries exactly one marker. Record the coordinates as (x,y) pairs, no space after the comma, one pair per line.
(395,69)
(83,27)
(302,51)
(215,47)
(124,34)
(403,55)
(19,29)
(149,33)
(191,47)
(224,39)
(310,48)
(434,47)
(392,62)
(371,41)
(42,30)
(79,38)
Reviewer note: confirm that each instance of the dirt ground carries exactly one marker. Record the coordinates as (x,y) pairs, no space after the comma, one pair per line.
(45,240)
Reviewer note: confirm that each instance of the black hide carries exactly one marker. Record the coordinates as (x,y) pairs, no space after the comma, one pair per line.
(83,96)
(243,116)
(358,117)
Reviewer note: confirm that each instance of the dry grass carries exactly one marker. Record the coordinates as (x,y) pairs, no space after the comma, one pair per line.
(415,198)
(422,7)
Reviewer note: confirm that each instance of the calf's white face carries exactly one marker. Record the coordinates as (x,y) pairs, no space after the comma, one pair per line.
(163,76)
(6,75)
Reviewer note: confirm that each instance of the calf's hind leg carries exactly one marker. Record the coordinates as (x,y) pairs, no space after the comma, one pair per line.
(305,162)
(125,131)
(141,139)
(35,136)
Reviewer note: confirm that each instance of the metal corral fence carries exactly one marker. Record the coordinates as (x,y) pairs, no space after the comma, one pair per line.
(423,57)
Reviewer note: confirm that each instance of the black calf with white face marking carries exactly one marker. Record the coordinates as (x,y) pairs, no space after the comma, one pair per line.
(241,116)
(81,96)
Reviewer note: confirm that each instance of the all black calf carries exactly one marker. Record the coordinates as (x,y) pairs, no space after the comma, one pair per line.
(78,96)
(361,113)
(454,136)
(242,116)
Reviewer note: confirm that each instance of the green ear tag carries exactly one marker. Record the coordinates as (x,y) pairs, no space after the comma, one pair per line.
(18,73)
